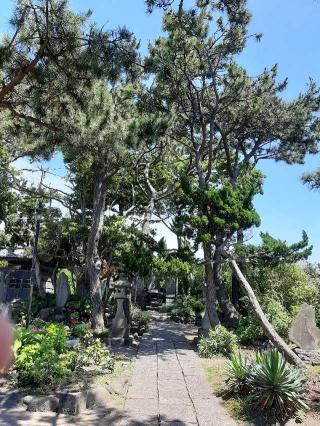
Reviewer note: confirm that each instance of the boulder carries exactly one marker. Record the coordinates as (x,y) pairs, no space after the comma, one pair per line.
(309,357)
(42,403)
(44,313)
(304,332)
(98,396)
(72,403)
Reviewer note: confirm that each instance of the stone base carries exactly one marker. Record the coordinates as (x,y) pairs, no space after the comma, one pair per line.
(309,356)
(202,332)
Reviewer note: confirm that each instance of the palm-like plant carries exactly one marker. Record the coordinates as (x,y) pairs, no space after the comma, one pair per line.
(238,370)
(275,385)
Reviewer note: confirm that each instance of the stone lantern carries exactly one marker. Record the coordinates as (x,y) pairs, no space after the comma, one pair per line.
(120,324)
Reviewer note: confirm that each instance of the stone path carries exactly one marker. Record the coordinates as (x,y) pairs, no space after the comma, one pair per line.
(168,387)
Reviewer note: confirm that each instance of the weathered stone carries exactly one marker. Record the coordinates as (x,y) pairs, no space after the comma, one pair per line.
(98,397)
(205,326)
(72,403)
(118,386)
(73,343)
(44,313)
(62,290)
(309,357)
(42,403)
(304,332)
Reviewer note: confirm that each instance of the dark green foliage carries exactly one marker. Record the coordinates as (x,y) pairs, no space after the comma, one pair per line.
(139,318)
(312,179)
(272,251)
(185,308)
(219,341)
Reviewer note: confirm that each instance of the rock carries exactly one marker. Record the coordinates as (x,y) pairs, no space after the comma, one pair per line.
(98,397)
(62,290)
(309,357)
(58,318)
(118,386)
(73,343)
(304,332)
(42,403)
(27,399)
(11,400)
(44,313)
(72,403)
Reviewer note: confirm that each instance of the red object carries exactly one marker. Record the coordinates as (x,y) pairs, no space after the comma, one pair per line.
(6,342)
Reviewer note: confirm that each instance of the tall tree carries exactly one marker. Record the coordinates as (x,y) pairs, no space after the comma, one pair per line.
(226,120)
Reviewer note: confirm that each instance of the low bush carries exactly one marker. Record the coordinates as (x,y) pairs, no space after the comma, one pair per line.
(80,330)
(219,341)
(39,358)
(185,309)
(92,353)
(272,386)
(44,359)
(139,318)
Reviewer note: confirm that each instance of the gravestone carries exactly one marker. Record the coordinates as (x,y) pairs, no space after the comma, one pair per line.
(304,332)
(3,288)
(120,323)
(62,290)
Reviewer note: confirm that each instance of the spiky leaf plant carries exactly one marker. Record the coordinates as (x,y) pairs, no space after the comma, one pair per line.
(275,385)
(238,370)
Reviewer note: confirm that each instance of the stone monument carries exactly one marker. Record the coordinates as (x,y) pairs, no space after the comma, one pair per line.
(62,290)
(120,323)
(306,335)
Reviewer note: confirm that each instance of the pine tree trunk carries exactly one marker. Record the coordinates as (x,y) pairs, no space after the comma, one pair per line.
(93,263)
(278,342)
(210,290)
(231,315)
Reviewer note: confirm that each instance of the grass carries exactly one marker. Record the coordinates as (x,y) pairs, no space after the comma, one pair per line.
(215,369)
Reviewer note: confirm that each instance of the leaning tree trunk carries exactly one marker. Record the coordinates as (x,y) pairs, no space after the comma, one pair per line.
(210,290)
(278,342)
(230,313)
(93,263)
(235,286)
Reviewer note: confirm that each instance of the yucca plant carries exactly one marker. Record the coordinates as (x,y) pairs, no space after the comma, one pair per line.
(238,370)
(275,385)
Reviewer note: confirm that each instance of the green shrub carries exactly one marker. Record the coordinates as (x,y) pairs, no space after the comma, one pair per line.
(238,370)
(80,330)
(92,352)
(249,330)
(219,341)
(138,317)
(275,385)
(185,308)
(39,356)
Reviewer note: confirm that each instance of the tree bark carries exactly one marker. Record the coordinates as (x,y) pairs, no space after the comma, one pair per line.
(210,290)
(93,263)
(278,342)
(235,286)
(230,313)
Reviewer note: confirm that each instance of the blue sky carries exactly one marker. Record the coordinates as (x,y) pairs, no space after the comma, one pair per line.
(291,35)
